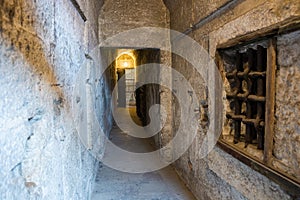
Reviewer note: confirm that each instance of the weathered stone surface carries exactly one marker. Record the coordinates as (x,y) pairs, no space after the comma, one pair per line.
(42,47)
(119,16)
(203,8)
(287,128)
(244,179)
(220,176)
(183,9)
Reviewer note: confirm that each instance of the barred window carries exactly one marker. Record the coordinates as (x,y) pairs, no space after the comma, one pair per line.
(248,71)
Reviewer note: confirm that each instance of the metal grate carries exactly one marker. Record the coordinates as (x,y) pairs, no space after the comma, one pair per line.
(248,96)
(249,74)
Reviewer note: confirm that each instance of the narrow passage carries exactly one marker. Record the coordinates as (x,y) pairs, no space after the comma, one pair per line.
(158,185)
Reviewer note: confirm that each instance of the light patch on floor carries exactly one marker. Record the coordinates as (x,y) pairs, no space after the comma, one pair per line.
(158,185)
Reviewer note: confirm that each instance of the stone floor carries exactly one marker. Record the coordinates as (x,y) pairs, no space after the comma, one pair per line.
(158,185)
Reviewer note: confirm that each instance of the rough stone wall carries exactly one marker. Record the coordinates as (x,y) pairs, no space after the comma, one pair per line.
(118,16)
(150,92)
(219,175)
(42,47)
(287,128)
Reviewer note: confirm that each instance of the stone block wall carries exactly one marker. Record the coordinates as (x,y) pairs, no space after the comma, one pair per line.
(43,46)
(219,175)
(287,108)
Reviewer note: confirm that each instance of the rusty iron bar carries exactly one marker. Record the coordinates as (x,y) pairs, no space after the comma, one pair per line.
(237,104)
(257,74)
(248,87)
(233,94)
(249,127)
(256,122)
(231,75)
(261,65)
(257,98)
(231,115)
(245,77)
(244,73)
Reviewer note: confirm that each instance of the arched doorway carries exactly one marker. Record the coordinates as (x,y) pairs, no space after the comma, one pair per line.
(126,76)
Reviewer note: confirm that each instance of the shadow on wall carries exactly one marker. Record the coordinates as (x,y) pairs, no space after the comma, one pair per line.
(18,25)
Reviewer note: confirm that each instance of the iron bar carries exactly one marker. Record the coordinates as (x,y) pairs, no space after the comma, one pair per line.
(251,61)
(261,64)
(237,104)
(248,87)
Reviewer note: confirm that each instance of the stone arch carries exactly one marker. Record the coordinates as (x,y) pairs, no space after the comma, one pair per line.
(125,60)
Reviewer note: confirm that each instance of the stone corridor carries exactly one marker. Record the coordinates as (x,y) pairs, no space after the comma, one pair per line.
(112,184)
(215,82)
